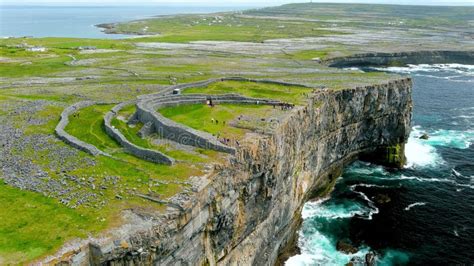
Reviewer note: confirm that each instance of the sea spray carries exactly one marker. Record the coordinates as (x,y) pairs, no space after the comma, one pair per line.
(426,212)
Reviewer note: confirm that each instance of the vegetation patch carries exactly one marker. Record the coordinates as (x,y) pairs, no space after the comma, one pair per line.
(289,94)
(220,27)
(220,120)
(32,225)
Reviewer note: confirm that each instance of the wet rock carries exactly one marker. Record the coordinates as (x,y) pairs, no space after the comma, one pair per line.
(355,261)
(382,199)
(424,136)
(370,259)
(346,247)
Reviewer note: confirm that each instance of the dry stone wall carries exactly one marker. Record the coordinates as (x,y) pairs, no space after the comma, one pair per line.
(143,153)
(147,113)
(71,140)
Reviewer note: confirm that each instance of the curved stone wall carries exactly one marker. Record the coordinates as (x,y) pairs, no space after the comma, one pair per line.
(71,140)
(147,112)
(266,81)
(208,82)
(143,153)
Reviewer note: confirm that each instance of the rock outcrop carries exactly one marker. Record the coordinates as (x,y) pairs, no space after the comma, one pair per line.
(247,211)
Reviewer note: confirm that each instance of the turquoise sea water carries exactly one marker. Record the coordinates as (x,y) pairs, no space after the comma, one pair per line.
(429,218)
(79,21)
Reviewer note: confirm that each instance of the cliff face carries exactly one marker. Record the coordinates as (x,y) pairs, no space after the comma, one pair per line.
(249,210)
(278,174)
(403,58)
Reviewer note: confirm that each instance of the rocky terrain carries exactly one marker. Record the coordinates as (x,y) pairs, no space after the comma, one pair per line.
(208,207)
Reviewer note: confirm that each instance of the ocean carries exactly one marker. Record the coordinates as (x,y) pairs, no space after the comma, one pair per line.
(79,21)
(420,215)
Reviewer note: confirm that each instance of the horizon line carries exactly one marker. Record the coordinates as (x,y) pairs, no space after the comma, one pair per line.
(218,4)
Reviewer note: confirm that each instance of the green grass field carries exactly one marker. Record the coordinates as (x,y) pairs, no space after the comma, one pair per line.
(200,117)
(32,225)
(221,27)
(88,126)
(131,133)
(290,94)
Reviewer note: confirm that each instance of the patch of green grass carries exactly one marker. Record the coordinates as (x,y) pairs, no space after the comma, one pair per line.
(51,114)
(40,67)
(32,225)
(223,27)
(131,133)
(88,126)
(68,43)
(292,94)
(310,54)
(199,116)
(48,96)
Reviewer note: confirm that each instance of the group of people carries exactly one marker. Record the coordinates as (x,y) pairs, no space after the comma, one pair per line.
(215,121)
(227,141)
(285,106)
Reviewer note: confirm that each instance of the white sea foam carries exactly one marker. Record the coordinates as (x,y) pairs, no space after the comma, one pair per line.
(456,173)
(421,179)
(332,211)
(373,209)
(456,232)
(465,185)
(371,185)
(422,153)
(318,248)
(414,205)
(368,170)
(419,153)
(455,68)
(451,138)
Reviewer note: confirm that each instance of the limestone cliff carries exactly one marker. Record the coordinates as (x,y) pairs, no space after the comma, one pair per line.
(247,211)
(403,58)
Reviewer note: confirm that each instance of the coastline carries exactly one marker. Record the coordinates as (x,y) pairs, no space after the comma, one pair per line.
(228,213)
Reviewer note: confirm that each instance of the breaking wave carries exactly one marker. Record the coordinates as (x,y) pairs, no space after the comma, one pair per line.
(422,153)
(439,173)
(414,205)
(318,245)
(460,69)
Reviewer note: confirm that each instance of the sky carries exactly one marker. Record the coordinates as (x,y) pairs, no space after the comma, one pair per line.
(225,3)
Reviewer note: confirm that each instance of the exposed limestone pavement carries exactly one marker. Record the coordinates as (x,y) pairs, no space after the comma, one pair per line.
(24,173)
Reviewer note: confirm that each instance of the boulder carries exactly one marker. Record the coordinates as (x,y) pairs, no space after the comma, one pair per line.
(370,259)
(424,136)
(346,247)
(382,199)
